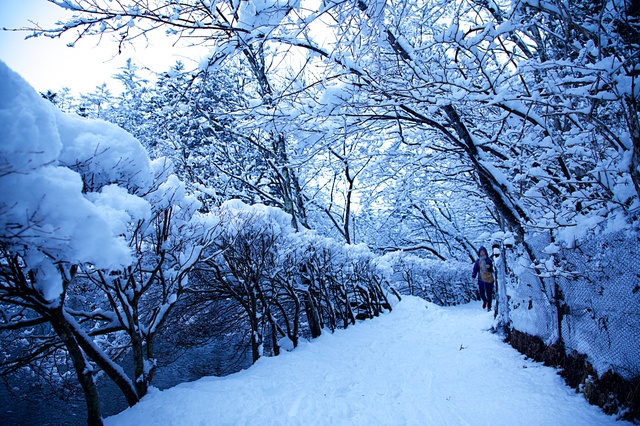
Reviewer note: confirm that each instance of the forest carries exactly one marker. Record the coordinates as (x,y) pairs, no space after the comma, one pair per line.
(324,159)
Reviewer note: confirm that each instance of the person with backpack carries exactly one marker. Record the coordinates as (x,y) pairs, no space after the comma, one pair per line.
(483,269)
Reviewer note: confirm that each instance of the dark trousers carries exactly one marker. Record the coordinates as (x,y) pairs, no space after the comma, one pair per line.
(486,292)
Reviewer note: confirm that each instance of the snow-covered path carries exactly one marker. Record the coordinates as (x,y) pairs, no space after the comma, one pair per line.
(419,365)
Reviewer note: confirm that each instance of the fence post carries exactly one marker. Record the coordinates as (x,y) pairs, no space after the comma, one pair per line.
(558,298)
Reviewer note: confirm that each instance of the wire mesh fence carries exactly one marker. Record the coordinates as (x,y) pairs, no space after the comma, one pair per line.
(588,296)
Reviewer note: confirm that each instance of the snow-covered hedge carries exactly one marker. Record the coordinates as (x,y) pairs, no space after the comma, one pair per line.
(442,282)
(289,284)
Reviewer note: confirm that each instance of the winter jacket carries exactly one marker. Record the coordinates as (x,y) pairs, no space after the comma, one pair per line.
(476,265)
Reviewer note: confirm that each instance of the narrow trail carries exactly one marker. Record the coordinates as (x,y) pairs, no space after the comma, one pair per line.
(419,365)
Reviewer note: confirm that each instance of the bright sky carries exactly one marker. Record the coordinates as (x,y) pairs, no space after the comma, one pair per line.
(49,64)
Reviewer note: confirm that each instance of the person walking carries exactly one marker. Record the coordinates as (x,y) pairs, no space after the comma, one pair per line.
(483,269)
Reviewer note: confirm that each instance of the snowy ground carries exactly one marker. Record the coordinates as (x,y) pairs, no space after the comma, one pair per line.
(419,365)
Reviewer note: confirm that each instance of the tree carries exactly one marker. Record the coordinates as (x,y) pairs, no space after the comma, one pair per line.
(482,85)
(96,243)
(436,65)
(204,123)
(229,28)
(93,105)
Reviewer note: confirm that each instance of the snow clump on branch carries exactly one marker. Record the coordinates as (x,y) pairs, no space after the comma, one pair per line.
(70,188)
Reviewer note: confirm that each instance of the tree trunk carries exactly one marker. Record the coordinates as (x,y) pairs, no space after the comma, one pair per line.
(312,314)
(502,301)
(509,210)
(254,320)
(347,208)
(286,179)
(491,187)
(112,370)
(138,363)
(289,185)
(84,372)
(256,340)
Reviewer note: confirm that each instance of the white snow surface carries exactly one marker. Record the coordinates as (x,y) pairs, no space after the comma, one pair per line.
(418,365)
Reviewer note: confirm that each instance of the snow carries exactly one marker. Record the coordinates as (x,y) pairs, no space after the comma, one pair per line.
(102,153)
(45,214)
(418,365)
(334,96)
(263,15)
(71,188)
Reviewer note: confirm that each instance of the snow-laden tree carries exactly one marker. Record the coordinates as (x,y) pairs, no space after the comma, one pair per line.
(205,123)
(49,226)
(93,104)
(538,99)
(129,109)
(414,197)
(187,117)
(442,282)
(236,33)
(96,244)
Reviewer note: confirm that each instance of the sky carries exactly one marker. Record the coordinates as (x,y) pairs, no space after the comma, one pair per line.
(418,365)
(49,64)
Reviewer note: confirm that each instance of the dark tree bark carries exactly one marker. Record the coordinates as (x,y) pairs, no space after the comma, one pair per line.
(84,372)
